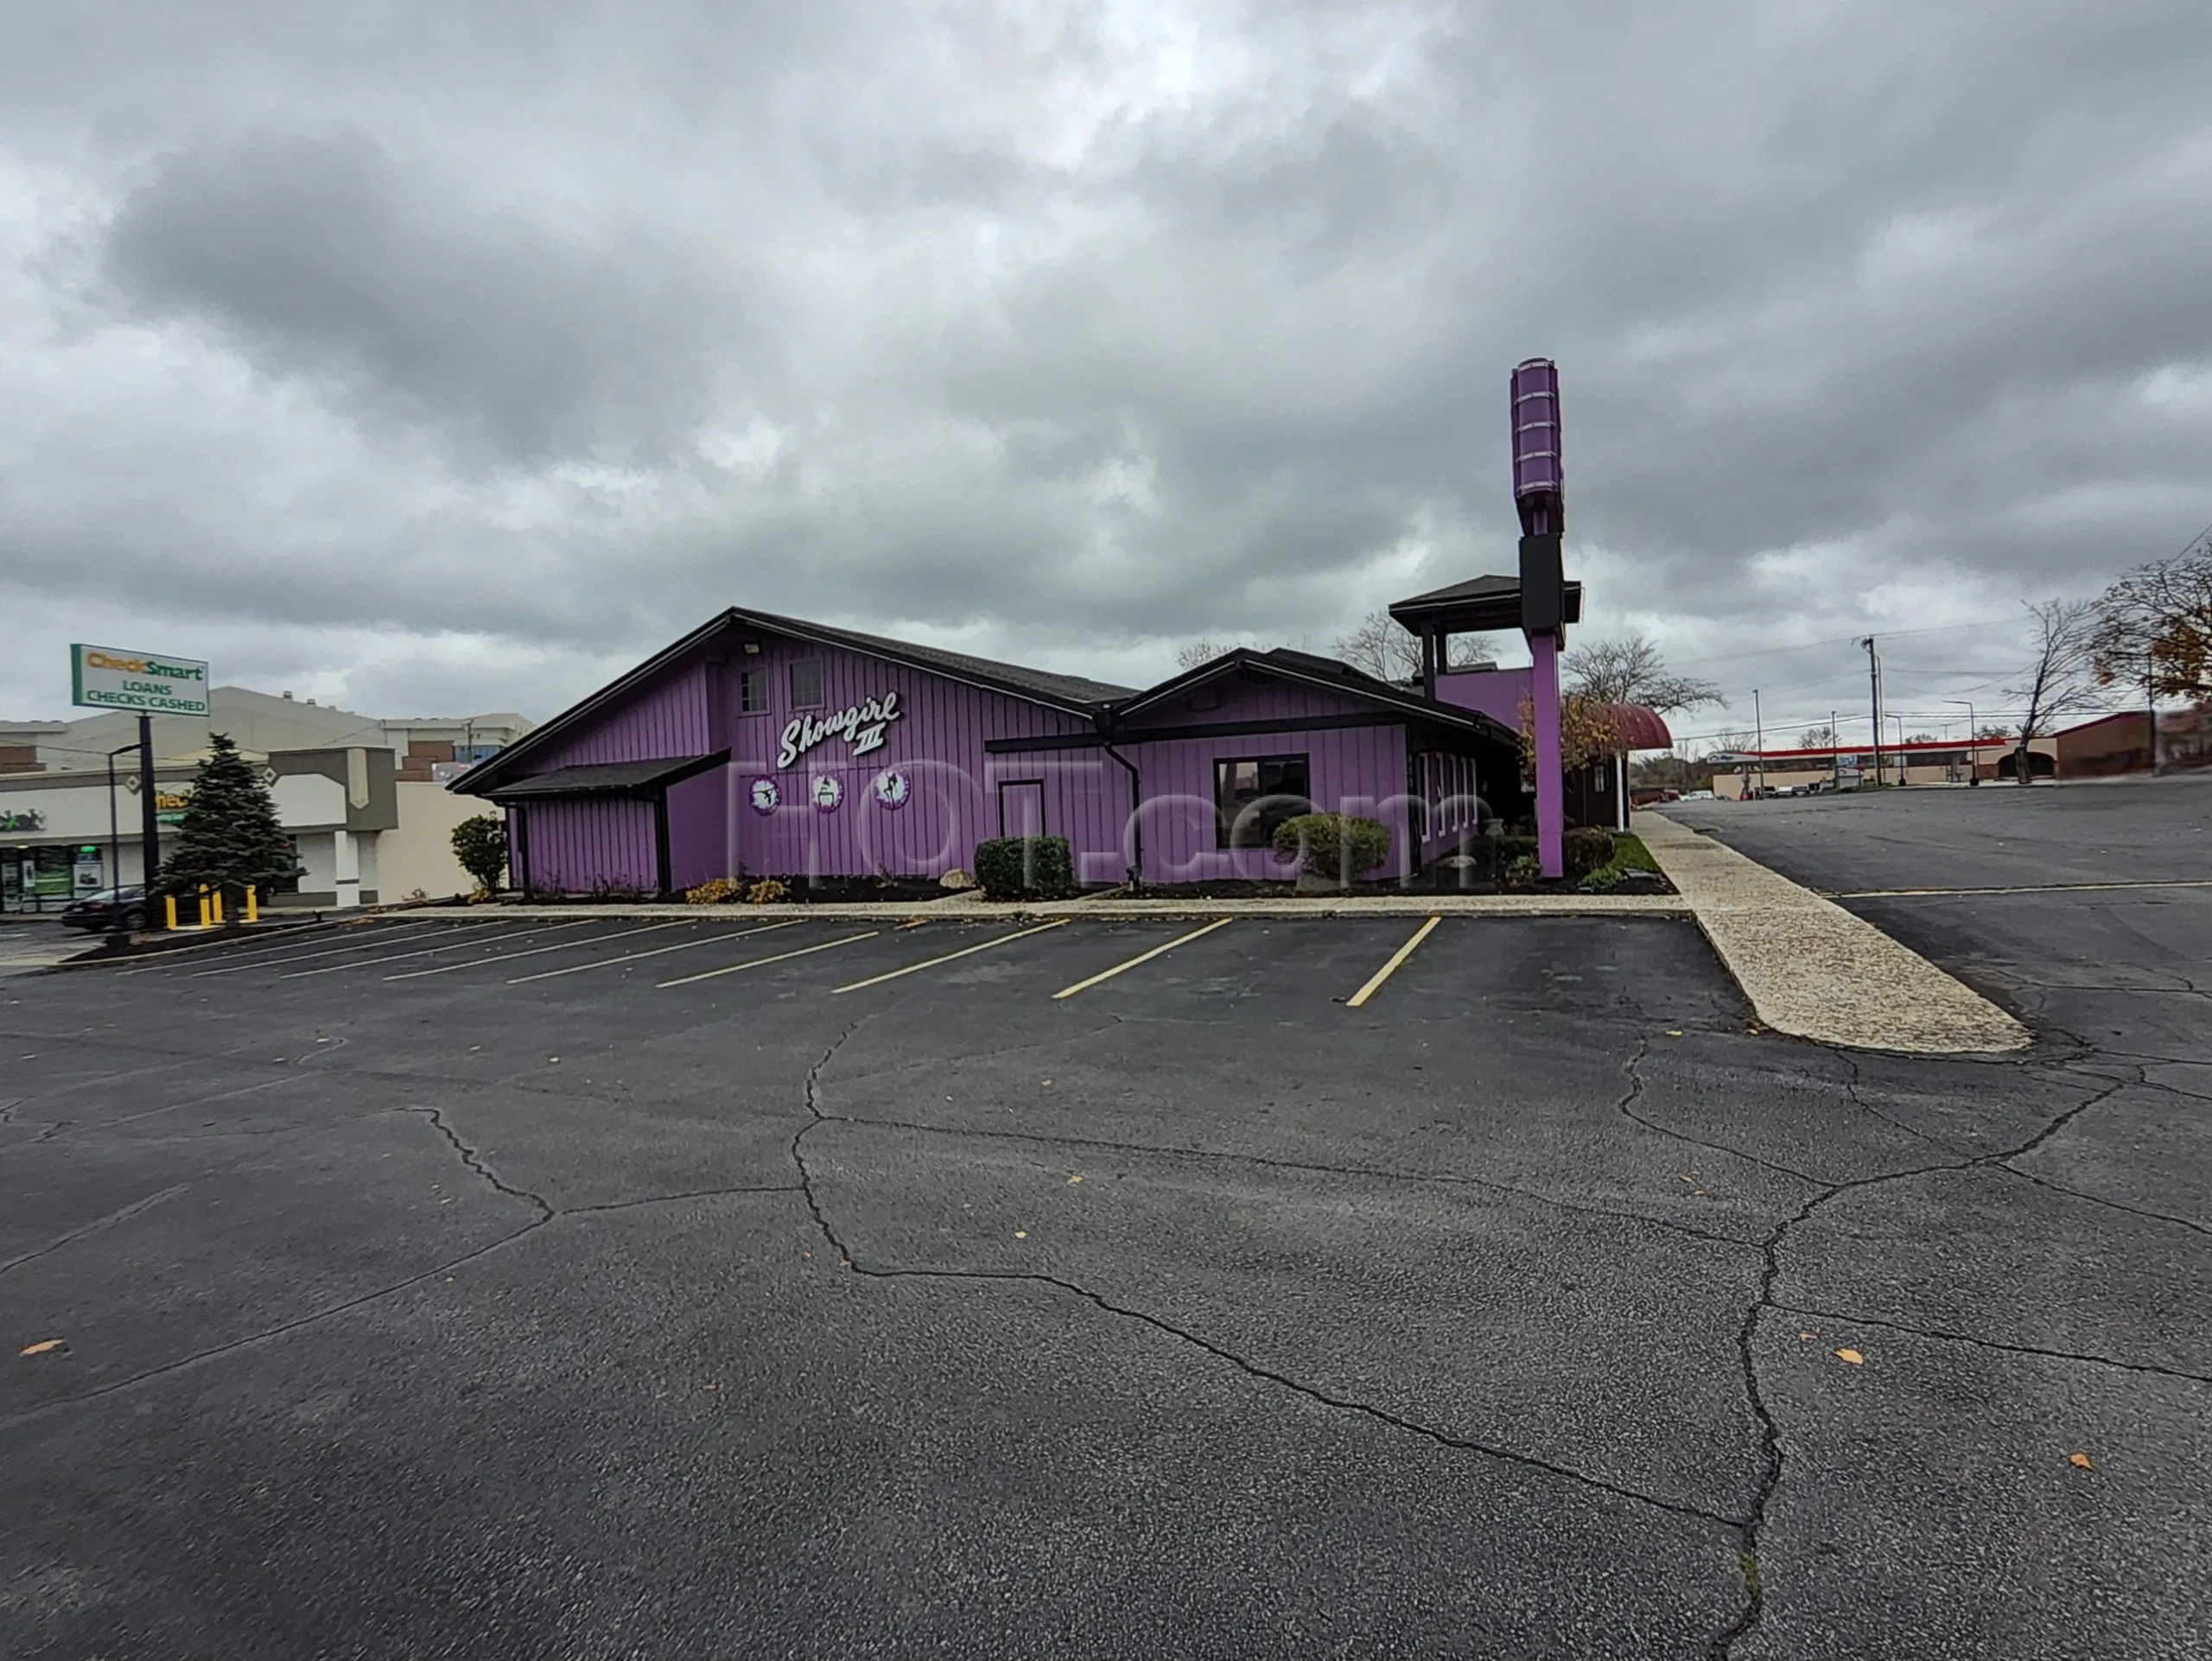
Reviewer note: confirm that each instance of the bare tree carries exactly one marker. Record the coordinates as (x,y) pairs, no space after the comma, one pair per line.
(1816,738)
(1197,652)
(1630,671)
(1382,648)
(2062,680)
(1733,740)
(2154,626)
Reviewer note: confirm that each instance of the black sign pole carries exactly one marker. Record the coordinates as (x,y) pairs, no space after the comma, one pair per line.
(149,847)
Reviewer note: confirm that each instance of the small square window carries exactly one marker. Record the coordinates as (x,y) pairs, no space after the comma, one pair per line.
(752,691)
(806,685)
(1253,795)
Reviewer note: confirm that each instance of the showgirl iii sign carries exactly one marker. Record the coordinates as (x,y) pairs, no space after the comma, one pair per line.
(861,726)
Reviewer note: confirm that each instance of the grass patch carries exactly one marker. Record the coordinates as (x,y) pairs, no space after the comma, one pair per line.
(1630,854)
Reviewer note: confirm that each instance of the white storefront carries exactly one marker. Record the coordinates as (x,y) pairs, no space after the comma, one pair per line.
(58,841)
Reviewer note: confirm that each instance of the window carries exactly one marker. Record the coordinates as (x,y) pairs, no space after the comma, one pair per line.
(752,691)
(806,685)
(1253,795)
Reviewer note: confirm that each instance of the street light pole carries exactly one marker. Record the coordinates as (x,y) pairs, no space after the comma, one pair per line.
(1973,755)
(115,841)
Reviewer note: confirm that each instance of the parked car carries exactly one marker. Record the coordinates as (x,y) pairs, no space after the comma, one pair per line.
(1697,796)
(101,910)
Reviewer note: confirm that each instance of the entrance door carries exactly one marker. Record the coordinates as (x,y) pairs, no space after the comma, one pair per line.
(1022,807)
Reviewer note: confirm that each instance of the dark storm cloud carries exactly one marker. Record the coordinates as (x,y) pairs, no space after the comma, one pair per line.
(326,255)
(1067,332)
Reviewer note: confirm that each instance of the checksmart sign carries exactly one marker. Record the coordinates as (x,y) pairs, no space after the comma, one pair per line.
(104,678)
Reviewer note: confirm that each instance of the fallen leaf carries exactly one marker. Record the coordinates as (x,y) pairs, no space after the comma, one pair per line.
(551,1058)
(1808,1334)
(1851,1356)
(322,1040)
(1022,1234)
(447,1200)
(1074,1177)
(1673,1032)
(2080,1462)
(1691,1181)
(1048,1084)
(43,1345)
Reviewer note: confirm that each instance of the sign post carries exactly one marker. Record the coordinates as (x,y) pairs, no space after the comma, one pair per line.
(104,677)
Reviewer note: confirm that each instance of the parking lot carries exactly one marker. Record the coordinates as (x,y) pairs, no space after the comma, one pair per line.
(701,1287)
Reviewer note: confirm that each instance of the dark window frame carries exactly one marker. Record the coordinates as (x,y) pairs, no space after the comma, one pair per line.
(813,665)
(1229,812)
(753,692)
(1036,785)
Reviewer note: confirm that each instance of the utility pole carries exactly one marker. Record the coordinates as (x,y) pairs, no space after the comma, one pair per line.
(1836,755)
(2151,707)
(1874,686)
(1759,729)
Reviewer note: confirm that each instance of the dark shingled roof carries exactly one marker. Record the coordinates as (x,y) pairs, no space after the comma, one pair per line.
(609,778)
(1043,682)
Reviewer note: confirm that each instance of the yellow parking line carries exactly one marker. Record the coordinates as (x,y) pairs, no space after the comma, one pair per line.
(1375,982)
(781,957)
(1141,958)
(655,952)
(965,952)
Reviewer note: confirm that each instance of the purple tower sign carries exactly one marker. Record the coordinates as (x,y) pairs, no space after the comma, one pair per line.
(1539,494)
(1539,482)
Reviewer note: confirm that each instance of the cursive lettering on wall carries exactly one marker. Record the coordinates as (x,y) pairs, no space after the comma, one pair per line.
(861,726)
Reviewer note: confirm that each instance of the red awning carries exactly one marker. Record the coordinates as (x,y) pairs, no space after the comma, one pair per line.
(1641,728)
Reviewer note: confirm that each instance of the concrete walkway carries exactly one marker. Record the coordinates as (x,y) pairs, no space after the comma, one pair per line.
(1812,969)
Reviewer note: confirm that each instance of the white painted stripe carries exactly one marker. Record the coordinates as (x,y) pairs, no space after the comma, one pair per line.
(370,940)
(1375,982)
(1141,958)
(428,952)
(557,945)
(760,962)
(656,951)
(965,952)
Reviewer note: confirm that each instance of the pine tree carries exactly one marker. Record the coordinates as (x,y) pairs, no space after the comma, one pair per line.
(229,838)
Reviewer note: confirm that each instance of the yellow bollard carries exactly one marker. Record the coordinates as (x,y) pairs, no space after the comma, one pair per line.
(252,905)
(215,899)
(169,904)
(203,907)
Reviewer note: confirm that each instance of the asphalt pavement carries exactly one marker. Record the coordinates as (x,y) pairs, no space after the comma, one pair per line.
(827,1289)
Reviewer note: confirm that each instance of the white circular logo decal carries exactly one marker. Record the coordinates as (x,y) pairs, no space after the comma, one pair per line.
(766,795)
(828,791)
(891,788)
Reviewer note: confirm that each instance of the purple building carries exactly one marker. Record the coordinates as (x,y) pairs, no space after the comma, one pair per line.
(773,746)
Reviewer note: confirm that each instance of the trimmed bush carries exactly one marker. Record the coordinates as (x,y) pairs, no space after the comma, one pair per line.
(1333,845)
(1024,868)
(1586,849)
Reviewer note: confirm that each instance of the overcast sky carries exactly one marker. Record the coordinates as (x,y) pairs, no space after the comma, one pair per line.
(431,357)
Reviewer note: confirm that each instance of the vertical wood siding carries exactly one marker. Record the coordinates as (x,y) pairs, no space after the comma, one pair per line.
(666,719)
(577,845)
(936,742)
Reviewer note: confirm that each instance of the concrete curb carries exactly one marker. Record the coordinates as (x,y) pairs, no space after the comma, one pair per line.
(1484,905)
(1812,969)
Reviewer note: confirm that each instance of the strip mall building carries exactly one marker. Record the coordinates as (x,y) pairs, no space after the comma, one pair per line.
(775,745)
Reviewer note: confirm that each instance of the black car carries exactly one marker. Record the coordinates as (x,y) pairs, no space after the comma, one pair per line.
(101,910)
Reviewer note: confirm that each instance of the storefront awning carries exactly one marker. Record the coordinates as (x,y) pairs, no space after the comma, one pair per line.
(635,778)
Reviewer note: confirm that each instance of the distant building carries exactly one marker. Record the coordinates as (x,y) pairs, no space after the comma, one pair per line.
(363,798)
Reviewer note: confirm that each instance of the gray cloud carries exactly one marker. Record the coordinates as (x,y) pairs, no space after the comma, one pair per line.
(440,351)
(326,257)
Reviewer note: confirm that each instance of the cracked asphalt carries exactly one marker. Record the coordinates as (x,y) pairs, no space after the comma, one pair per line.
(1197,1314)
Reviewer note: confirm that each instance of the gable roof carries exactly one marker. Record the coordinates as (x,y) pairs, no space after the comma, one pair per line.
(1325,674)
(1071,694)
(1475,606)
